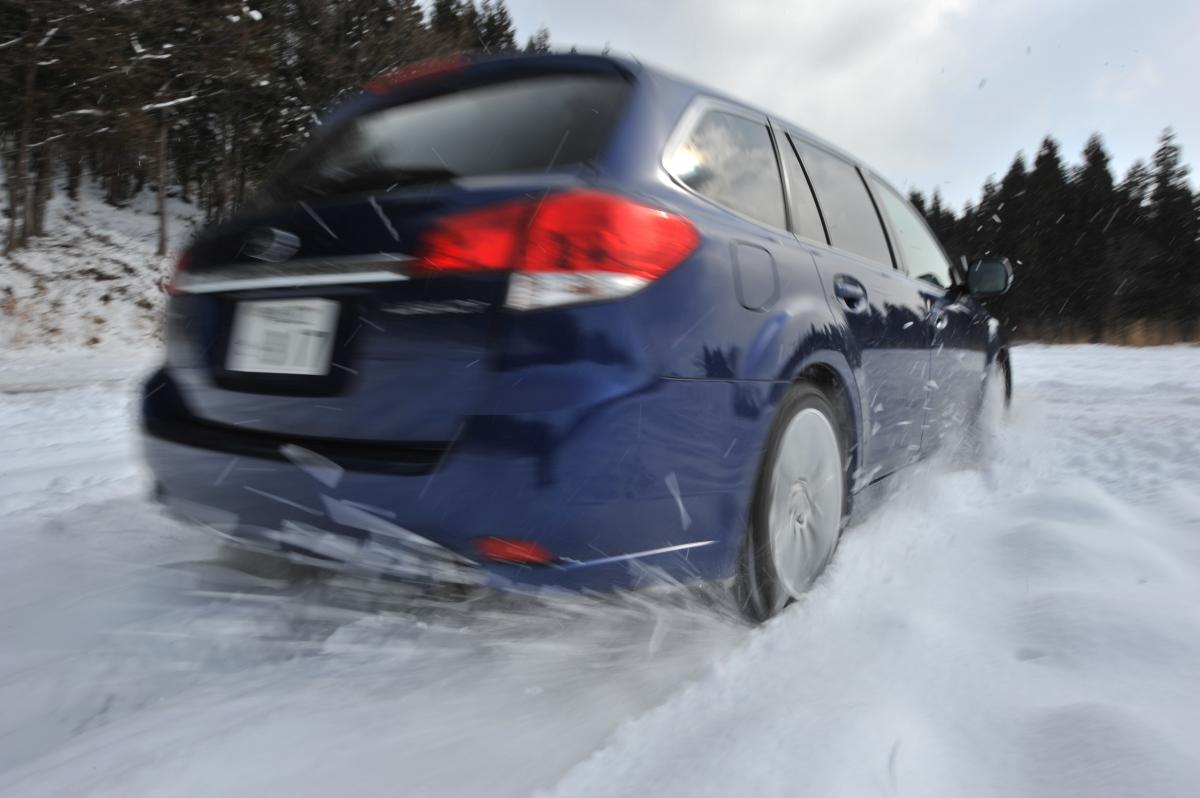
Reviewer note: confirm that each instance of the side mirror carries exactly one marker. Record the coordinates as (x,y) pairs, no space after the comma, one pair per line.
(989,277)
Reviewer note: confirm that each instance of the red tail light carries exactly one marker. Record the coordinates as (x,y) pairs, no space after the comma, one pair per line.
(517,552)
(480,240)
(181,266)
(588,231)
(601,245)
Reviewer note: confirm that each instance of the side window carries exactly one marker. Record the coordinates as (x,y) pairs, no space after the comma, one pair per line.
(730,160)
(919,249)
(806,219)
(846,206)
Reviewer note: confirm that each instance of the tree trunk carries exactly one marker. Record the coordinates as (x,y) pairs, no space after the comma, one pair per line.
(19,213)
(9,160)
(43,187)
(241,189)
(183,177)
(74,167)
(163,129)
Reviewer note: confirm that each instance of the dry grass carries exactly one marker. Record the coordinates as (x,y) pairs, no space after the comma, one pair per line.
(1138,332)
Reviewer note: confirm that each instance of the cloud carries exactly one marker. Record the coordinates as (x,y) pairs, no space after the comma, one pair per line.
(928,92)
(1127,86)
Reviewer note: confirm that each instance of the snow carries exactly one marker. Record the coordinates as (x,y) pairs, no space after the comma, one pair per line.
(1026,627)
(94,280)
(49,35)
(169,103)
(1032,628)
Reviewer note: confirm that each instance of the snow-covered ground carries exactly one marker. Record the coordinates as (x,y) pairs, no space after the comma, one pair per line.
(94,280)
(1029,628)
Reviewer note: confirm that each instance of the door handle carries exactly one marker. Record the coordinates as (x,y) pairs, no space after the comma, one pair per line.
(850,292)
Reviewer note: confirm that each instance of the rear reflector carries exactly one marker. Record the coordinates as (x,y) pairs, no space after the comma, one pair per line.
(181,267)
(567,247)
(514,552)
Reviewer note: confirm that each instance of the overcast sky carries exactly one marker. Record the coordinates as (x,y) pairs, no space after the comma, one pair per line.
(929,92)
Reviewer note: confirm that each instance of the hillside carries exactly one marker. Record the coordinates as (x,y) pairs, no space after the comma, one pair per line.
(93,280)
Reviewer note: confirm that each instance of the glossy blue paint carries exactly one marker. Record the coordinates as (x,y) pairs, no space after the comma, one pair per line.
(623,435)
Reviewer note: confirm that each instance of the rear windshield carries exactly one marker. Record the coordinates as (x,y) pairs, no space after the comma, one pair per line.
(533,124)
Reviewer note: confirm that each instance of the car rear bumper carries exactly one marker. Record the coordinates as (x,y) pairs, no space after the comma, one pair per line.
(648,485)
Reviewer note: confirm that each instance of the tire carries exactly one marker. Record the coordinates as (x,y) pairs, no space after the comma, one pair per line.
(990,414)
(799,505)
(997,386)
(1005,366)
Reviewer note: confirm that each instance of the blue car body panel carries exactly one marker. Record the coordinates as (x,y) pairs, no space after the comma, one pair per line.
(625,436)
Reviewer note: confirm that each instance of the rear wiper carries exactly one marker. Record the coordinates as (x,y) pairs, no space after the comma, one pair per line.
(381,179)
(423,174)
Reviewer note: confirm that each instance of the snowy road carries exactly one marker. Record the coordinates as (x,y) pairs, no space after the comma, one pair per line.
(1031,628)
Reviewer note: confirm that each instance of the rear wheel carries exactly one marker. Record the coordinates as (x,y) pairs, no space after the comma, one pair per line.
(799,505)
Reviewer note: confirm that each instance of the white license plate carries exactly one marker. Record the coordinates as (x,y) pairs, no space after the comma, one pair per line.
(283,336)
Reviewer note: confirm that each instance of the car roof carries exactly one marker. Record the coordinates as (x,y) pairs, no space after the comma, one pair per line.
(635,68)
(631,67)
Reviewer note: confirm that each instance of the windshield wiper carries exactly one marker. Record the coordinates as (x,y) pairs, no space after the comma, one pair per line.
(375,179)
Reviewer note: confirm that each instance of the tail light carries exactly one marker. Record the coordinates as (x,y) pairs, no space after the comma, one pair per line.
(514,552)
(568,247)
(181,266)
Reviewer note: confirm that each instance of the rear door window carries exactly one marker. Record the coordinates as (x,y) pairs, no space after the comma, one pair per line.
(534,124)
(920,251)
(806,219)
(849,214)
(731,160)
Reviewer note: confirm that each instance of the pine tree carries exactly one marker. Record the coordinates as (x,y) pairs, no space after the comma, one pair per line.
(1089,256)
(1173,226)
(1094,201)
(202,98)
(1129,247)
(496,32)
(539,42)
(982,237)
(918,201)
(445,19)
(944,225)
(1011,239)
(1046,293)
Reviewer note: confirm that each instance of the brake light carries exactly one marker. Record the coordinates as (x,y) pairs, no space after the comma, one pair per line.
(586,231)
(421,70)
(567,247)
(515,552)
(181,266)
(481,240)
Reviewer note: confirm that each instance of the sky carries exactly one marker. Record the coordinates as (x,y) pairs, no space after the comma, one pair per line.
(930,93)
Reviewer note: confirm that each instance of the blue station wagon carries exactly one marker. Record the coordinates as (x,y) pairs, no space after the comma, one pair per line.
(563,322)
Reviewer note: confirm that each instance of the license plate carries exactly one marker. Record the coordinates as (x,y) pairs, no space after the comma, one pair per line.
(283,336)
